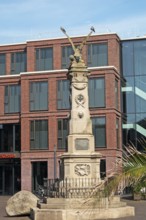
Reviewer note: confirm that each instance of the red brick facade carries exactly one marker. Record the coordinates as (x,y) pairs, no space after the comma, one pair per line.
(110,72)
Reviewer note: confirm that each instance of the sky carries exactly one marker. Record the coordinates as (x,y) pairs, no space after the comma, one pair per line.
(26,20)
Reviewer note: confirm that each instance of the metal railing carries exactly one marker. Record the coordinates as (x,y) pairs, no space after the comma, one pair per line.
(70,187)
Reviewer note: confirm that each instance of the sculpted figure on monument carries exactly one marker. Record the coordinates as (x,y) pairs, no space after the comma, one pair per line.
(77,56)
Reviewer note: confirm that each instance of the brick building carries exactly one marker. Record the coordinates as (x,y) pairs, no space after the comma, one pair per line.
(34,107)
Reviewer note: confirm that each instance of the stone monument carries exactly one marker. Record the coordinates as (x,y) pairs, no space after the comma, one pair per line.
(80,163)
(81,160)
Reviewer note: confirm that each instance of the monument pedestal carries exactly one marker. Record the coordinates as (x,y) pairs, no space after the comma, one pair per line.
(80,209)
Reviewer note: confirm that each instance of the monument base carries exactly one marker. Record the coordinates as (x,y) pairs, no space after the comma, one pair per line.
(81,165)
(80,209)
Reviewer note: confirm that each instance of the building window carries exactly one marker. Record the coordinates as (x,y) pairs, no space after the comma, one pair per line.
(12,98)
(102,168)
(10,137)
(63,93)
(66,52)
(117,132)
(18,62)
(39,134)
(97,55)
(44,58)
(116,95)
(62,133)
(97,93)
(99,131)
(2,64)
(38,96)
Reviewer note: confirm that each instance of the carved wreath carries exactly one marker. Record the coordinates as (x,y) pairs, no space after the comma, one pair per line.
(82,169)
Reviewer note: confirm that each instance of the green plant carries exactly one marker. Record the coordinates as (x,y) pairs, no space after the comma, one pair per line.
(133,171)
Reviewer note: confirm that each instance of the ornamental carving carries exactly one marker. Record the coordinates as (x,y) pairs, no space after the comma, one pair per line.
(80,100)
(79,86)
(82,169)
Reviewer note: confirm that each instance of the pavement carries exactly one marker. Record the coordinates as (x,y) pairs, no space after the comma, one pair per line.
(140,210)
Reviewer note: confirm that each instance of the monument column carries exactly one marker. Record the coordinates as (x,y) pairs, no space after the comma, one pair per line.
(81,160)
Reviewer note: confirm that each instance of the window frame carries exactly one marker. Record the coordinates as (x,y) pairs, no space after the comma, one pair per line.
(36,96)
(90,89)
(63,138)
(34,142)
(18,61)
(90,52)
(42,60)
(105,132)
(16,91)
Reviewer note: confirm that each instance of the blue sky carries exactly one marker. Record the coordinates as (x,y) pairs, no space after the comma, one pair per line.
(24,20)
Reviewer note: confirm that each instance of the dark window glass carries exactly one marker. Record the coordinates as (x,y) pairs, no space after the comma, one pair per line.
(134,130)
(62,133)
(12,98)
(39,134)
(99,131)
(38,96)
(18,62)
(129,131)
(97,55)
(140,93)
(128,92)
(2,64)
(141,130)
(127,58)
(102,168)
(10,137)
(97,92)
(63,93)
(140,57)
(66,52)
(44,58)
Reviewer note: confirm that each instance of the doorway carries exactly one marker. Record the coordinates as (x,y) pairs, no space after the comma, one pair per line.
(39,172)
(9,179)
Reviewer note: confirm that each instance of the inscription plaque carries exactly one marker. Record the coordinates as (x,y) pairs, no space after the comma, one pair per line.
(81,144)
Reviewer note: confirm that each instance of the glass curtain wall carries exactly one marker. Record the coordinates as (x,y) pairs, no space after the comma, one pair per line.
(134,92)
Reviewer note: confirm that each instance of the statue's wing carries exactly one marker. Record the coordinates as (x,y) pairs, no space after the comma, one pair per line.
(70,40)
(86,38)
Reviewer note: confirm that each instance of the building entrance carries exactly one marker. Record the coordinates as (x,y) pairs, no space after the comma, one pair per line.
(39,172)
(9,178)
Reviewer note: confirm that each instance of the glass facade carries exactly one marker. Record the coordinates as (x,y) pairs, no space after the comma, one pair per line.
(18,62)
(38,96)
(2,64)
(12,99)
(44,58)
(134,92)
(39,134)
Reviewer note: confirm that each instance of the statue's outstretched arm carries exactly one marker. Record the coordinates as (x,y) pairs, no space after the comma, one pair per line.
(86,38)
(70,40)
